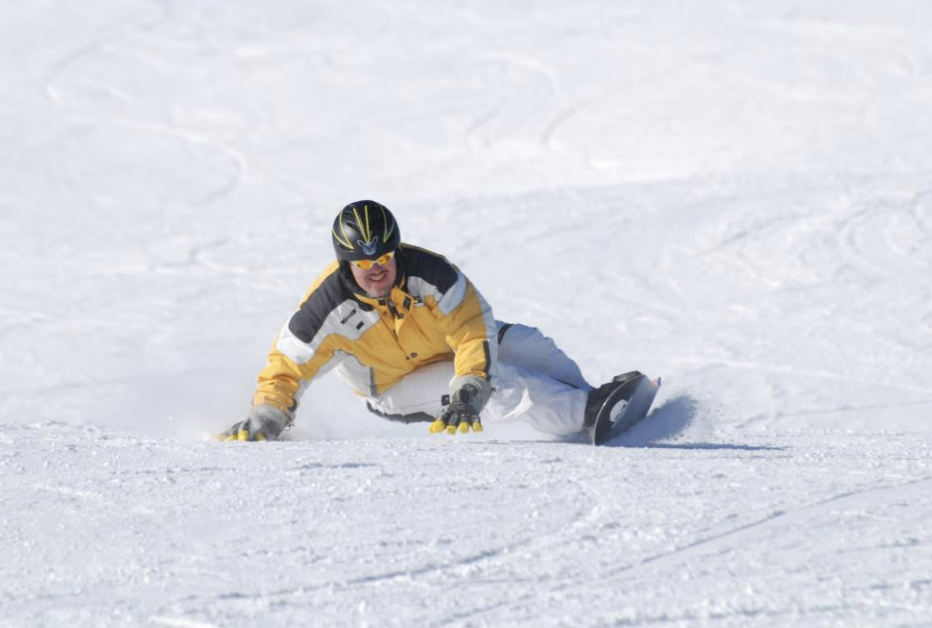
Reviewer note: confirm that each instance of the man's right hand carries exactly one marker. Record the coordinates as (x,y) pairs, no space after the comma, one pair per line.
(265,422)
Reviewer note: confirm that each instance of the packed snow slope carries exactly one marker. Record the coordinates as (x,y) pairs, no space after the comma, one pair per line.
(734,195)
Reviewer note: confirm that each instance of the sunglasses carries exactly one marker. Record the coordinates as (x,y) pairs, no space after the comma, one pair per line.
(366,264)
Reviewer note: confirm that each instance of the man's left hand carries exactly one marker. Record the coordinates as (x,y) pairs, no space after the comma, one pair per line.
(462,413)
(457,417)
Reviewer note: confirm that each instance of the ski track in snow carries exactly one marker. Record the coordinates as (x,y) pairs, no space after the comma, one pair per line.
(735,197)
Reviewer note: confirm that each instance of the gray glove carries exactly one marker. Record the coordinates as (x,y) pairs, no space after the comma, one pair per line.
(469,396)
(265,422)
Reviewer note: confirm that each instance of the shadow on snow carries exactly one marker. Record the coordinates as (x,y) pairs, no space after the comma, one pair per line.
(670,421)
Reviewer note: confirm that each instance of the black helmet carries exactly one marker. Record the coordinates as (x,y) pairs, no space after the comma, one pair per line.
(364,230)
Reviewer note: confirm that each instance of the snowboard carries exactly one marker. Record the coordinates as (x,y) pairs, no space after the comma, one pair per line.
(626,406)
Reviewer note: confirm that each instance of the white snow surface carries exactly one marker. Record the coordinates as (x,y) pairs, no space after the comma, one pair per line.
(734,195)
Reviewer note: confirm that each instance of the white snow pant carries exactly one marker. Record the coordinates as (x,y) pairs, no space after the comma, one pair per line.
(533,381)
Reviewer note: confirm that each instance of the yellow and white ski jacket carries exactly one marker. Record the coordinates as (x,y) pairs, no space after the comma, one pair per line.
(433,313)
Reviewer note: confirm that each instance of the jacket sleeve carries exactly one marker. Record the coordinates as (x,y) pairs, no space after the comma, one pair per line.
(296,357)
(280,381)
(469,326)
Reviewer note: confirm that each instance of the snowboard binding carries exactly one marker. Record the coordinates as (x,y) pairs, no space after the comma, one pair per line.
(615,407)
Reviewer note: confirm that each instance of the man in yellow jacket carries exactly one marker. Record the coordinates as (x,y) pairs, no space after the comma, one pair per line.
(411,334)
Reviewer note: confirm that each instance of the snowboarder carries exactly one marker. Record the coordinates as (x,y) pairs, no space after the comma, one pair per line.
(416,340)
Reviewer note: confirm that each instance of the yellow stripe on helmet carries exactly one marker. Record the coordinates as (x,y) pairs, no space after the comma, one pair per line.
(387,231)
(343,240)
(363,228)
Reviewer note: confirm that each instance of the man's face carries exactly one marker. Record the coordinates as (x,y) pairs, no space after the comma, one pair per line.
(376,282)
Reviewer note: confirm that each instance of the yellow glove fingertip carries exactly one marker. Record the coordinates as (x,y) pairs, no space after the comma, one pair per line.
(228,437)
(476,426)
(261,437)
(464,427)
(437,426)
(451,430)
(243,435)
